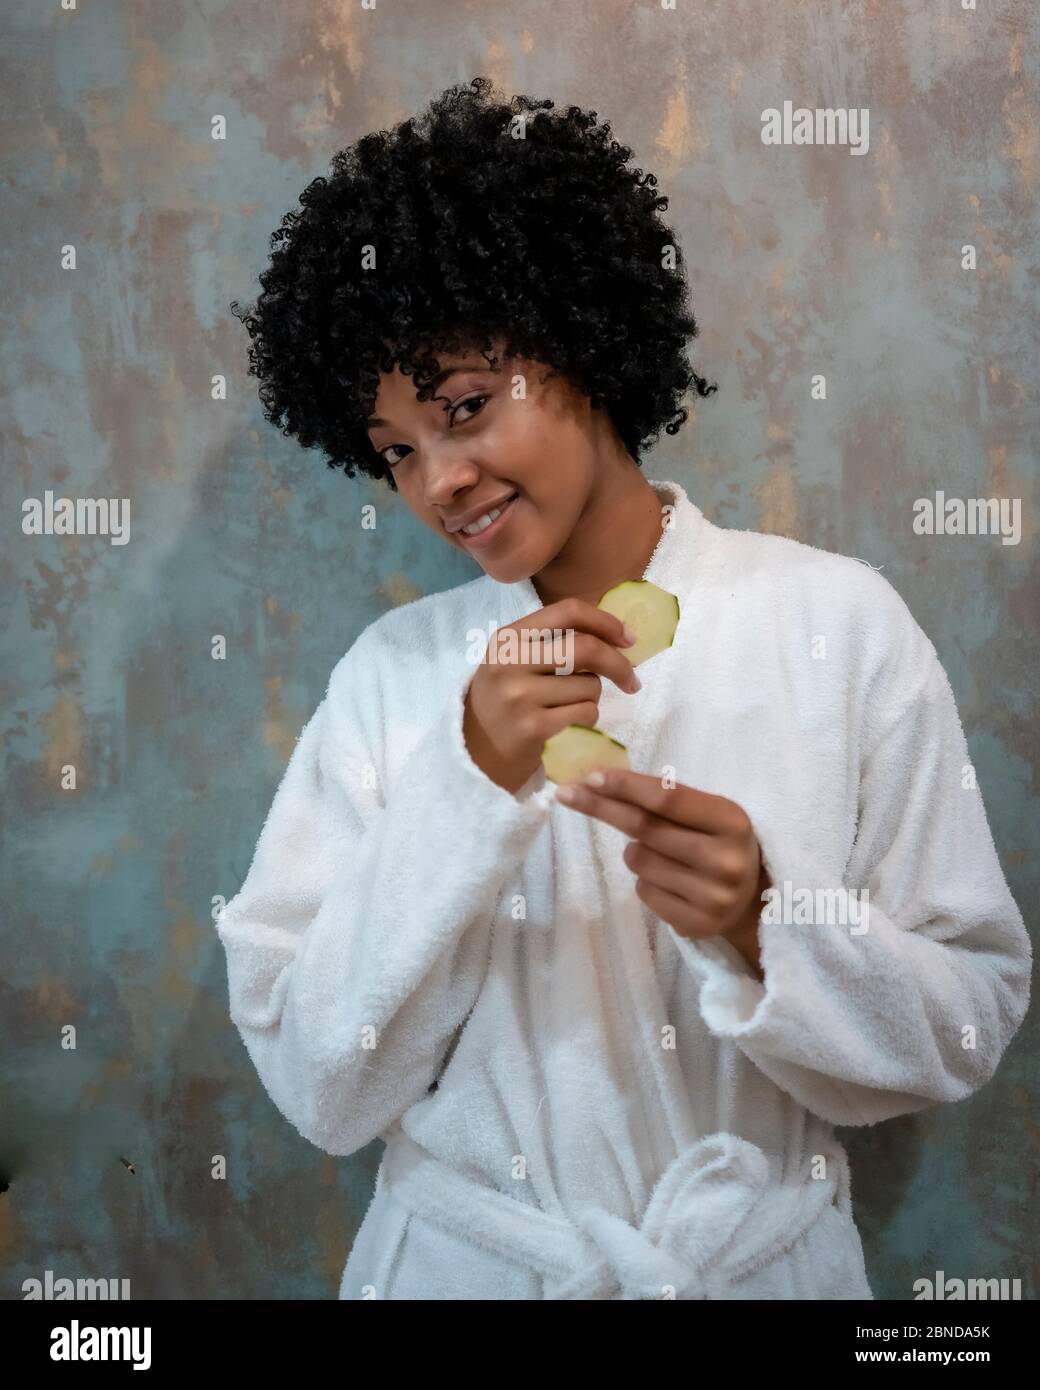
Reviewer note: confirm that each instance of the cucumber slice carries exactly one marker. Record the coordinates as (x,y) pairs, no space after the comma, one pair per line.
(578,750)
(651,612)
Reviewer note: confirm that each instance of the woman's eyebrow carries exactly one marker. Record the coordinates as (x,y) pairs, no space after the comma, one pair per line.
(441,377)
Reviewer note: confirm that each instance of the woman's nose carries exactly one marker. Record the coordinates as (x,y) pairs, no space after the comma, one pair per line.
(447,470)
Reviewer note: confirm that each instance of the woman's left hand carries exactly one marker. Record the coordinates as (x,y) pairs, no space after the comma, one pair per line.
(697,861)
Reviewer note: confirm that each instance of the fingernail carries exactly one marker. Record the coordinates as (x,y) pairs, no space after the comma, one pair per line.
(629,635)
(635,683)
(595,779)
(564,794)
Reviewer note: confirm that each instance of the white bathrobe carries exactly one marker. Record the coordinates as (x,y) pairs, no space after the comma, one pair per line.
(577,1101)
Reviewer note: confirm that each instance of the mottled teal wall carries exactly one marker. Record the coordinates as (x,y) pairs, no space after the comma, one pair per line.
(806,260)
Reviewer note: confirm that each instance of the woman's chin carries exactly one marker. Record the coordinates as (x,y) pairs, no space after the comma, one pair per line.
(505,571)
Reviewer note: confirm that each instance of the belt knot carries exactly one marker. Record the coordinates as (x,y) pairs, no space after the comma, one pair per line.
(715,1215)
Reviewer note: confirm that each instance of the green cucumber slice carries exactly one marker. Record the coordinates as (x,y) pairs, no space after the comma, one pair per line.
(578,750)
(651,612)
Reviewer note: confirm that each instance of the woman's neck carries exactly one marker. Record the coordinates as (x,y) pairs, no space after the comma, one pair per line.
(615,536)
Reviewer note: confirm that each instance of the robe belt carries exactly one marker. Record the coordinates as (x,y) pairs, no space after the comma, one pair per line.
(715,1215)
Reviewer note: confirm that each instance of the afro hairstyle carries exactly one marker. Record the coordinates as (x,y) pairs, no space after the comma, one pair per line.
(476,220)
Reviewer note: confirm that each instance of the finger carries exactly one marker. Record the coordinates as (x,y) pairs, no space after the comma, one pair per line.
(559,717)
(546,639)
(583,616)
(590,653)
(664,872)
(686,920)
(568,690)
(718,904)
(686,806)
(562,653)
(690,847)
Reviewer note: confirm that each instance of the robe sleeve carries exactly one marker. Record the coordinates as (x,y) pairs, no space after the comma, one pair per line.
(359,940)
(859,1026)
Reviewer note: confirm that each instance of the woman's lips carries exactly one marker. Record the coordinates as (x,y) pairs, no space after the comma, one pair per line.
(489,533)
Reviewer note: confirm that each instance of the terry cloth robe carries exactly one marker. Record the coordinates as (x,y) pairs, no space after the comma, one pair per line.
(576,1100)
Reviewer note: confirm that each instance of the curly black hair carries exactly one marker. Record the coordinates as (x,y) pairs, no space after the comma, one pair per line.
(471,221)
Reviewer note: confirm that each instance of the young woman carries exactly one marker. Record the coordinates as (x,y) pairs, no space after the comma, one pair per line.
(606,1039)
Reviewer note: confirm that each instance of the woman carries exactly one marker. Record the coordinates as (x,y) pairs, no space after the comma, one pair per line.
(604,1040)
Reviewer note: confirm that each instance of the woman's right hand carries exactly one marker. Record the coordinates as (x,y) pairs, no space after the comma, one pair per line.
(513,707)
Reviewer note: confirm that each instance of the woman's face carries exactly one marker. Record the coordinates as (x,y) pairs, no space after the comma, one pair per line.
(492,439)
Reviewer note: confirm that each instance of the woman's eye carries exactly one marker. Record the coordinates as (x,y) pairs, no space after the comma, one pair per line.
(478,401)
(389,461)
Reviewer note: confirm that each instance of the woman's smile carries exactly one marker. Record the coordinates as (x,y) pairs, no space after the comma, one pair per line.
(488,533)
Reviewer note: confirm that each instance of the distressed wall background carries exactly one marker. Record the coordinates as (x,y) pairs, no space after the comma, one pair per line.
(807,259)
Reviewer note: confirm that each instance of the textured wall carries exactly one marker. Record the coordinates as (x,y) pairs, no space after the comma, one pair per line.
(806,259)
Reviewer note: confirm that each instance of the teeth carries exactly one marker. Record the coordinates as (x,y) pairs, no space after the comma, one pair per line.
(482,523)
